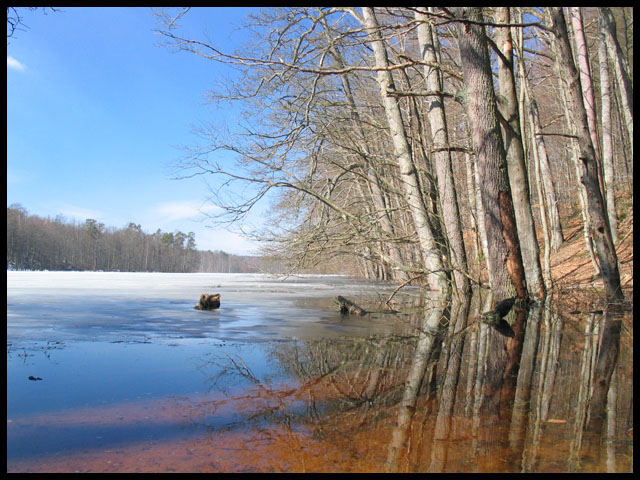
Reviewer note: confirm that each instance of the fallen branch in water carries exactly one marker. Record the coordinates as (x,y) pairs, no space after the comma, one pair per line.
(402,285)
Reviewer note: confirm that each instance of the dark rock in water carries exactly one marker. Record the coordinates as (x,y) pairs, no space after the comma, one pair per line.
(208,302)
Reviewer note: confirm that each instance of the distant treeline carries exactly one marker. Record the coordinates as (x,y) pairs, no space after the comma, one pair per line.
(36,243)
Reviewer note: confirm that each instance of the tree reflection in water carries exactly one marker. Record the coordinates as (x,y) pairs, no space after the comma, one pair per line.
(443,394)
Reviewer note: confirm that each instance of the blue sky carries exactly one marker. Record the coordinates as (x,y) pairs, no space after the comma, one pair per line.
(97,112)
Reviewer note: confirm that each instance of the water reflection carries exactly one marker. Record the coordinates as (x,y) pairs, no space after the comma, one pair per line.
(445,395)
(437,391)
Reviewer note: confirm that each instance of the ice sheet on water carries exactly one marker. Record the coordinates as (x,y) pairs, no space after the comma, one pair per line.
(175,285)
(54,305)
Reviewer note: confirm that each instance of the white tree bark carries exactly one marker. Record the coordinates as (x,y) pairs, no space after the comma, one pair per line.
(440,141)
(515,159)
(621,69)
(600,230)
(582,62)
(607,139)
(436,277)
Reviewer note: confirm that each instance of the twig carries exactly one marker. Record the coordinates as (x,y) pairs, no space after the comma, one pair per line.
(399,287)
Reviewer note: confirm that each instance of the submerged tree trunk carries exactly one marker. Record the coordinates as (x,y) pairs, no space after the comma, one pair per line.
(506,271)
(408,173)
(515,159)
(600,229)
(605,365)
(417,369)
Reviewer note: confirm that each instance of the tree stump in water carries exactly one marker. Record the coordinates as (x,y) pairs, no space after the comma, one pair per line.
(208,302)
(347,307)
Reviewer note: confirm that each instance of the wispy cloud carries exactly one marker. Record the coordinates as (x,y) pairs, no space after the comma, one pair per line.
(181,210)
(190,216)
(14,64)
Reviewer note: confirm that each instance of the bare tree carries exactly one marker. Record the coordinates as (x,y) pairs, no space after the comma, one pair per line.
(374,182)
(345,130)
(540,147)
(607,140)
(409,178)
(600,229)
(15,18)
(440,138)
(621,69)
(582,62)
(506,271)
(573,148)
(519,182)
(304,150)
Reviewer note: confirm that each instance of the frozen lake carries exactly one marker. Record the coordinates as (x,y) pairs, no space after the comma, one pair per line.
(95,360)
(54,306)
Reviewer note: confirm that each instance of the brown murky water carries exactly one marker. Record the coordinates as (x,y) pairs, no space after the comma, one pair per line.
(419,391)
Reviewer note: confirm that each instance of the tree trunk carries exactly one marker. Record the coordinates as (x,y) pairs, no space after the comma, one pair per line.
(477,198)
(575,152)
(540,149)
(600,229)
(543,214)
(621,69)
(557,237)
(408,174)
(506,271)
(607,140)
(471,197)
(582,61)
(440,141)
(515,159)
